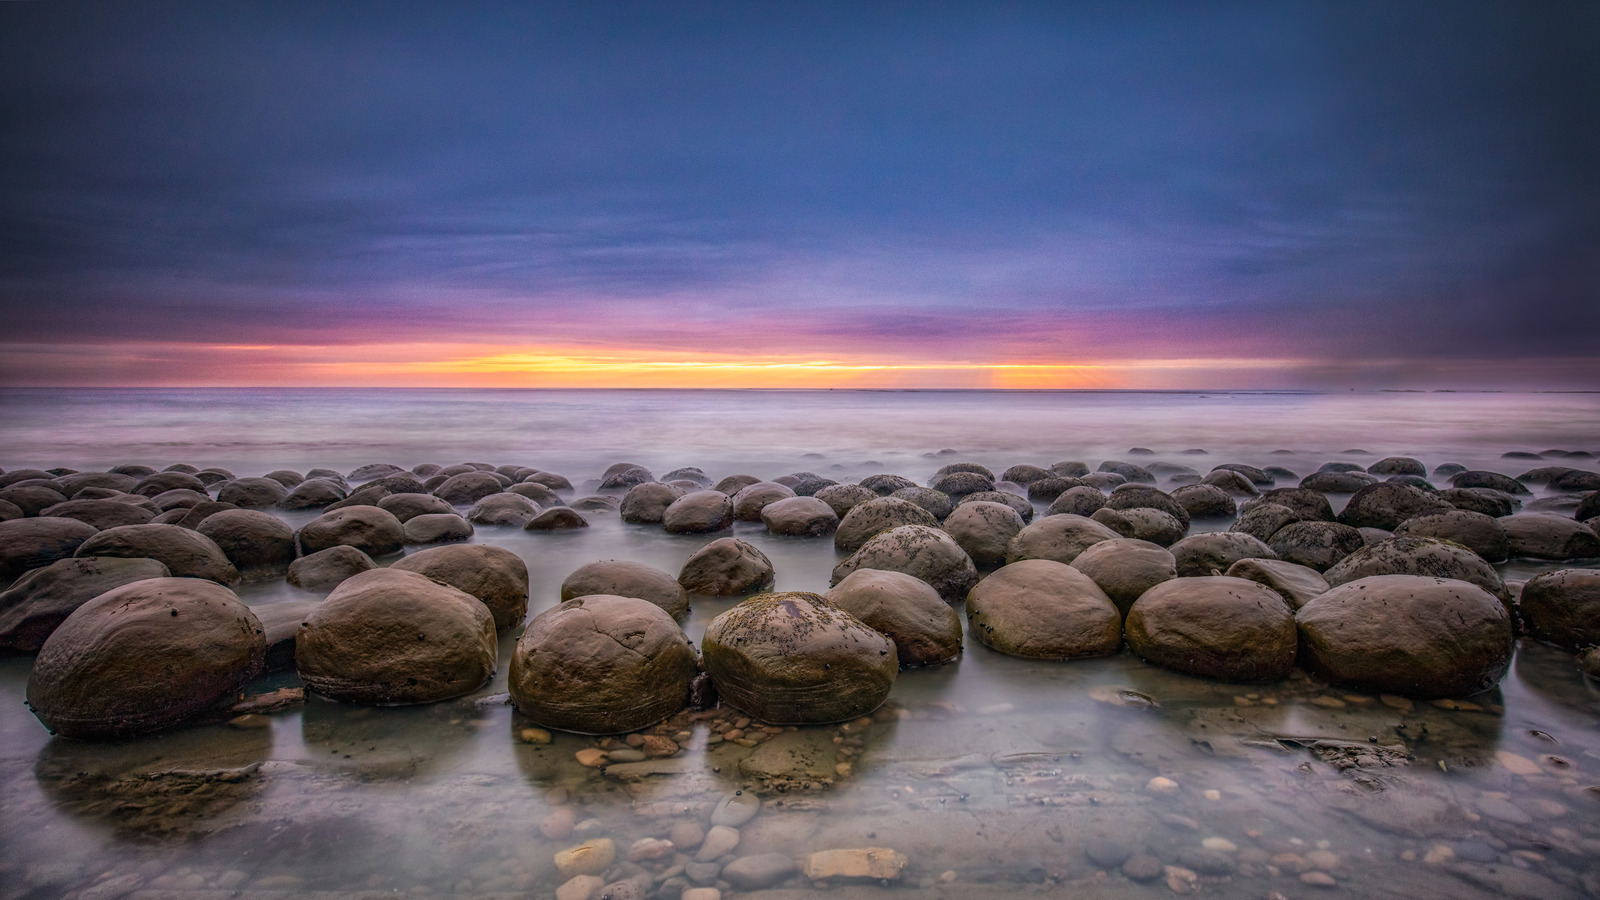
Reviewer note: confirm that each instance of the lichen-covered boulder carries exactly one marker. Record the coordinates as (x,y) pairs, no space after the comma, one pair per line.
(920,551)
(926,630)
(1143,523)
(935,503)
(794,659)
(1481,500)
(254,541)
(1398,465)
(1204,501)
(601,664)
(1482,534)
(1295,583)
(1137,496)
(646,504)
(1042,609)
(799,517)
(1214,626)
(327,569)
(1476,478)
(726,567)
(188,554)
(1082,500)
(437,528)
(30,543)
(627,579)
(253,493)
(1213,552)
(1418,556)
(960,484)
(42,598)
(1050,487)
(842,498)
(370,529)
(1005,498)
(1125,568)
(1306,504)
(1058,537)
(102,514)
(1386,504)
(884,485)
(699,512)
(391,637)
(143,657)
(374,470)
(494,575)
(874,517)
(1319,545)
(984,530)
(1025,474)
(1543,536)
(1411,635)
(1561,608)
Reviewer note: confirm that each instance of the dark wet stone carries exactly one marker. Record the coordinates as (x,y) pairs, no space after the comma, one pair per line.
(1217,627)
(1337,482)
(188,554)
(1083,500)
(1042,609)
(1050,487)
(101,514)
(495,576)
(842,498)
(1546,536)
(559,519)
(1143,867)
(1127,470)
(42,598)
(919,550)
(726,567)
(314,493)
(327,569)
(926,630)
(503,508)
(1317,545)
(623,476)
(251,539)
(627,579)
(1307,504)
(751,499)
(1135,496)
(1563,608)
(1481,500)
(753,873)
(1106,853)
(468,488)
(372,530)
(1206,501)
(646,504)
(253,493)
(1260,477)
(876,516)
(1492,480)
(1387,504)
(550,480)
(1483,535)
(1213,552)
(32,499)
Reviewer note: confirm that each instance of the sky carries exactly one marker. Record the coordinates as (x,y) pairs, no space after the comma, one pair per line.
(1036,195)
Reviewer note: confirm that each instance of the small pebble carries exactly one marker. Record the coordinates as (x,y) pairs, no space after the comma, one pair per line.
(534,736)
(1220,844)
(1161,785)
(1212,794)
(1319,879)
(593,757)
(1327,702)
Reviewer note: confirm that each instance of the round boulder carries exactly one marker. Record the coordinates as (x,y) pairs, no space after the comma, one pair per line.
(884,485)
(370,529)
(1050,487)
(327,569)
(842,498)
(161,482)
(960,484)
(699,512)
(920,551)
(1057,537)
(1411,635)
(32,499)
(799,517)
(1474,478)
(102,514)
(794,659)
(1025,474)
(254,541)
(874,517)
(1042,609)
(504,508)
(437,528)
(1125,568)
(1205,501)
(984,530)
(1483,535)
(406,507)
(751,499)
(1295,583)
(1213,552)
(1231,483)
(468,488)
(351,648)
(253,493)
(1317,545)
(1229,629)
(561,518)
(925,630)
(1409,555)
(1263,520)
(1308,505)
(1082,500)
(494,575)
(1386,504)
(1143,496)
(43,598)
(935,503)
(1398,465)
(1562,608)
(1143,523)
(726,567)
(627,579)
(646,504)
(1337,482)
(601,664)
(314,493)
(188,554)
(1541,536)
(143,657)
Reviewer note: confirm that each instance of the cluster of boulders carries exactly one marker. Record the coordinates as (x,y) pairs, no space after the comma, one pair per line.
(1397,592)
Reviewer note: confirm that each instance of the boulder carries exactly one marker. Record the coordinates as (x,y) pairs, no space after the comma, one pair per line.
(1026,474)
(1337,482)
(984,530)
(161,482)
(1387,504)
(1082,500)
(1016,501)
(1398,465)
(622,476)
(1318,545)
(327,569)
(33,542)
(1295,583)
(726,567)
(437,528)
(561,518)
(1308,505)
(1263,520)
(646,504)
(1588,508)
(314,493)
(1408,555)
(799,517)
(186,553)
(1104,481)
(406,507)
(1129,471)
(1042,609)
(805,484)
(1411,635)
(627,579)
(349,648)
(1473,478)
(935,503)
(373,470)
(9,511)
(1141,496)
(978,469)
(884,485)
(143,657)
(794,659)
(370,529)
(504,508)
(253,541)
(916,550)
(1542,536)
(959,484)
(253,493)
(32,499)
(1057,537)
(874,517)
(1258,477)
(688,473)
(286,477)
(1070,468)
(733,484)
(70,485)
(468,488)
(1231,483)
(192,517)
(601,664)
(102,514)
(42,598)
(699,512)
(1047,489)
(1475,531)
(550,480)
(842,498)
(1481,500)
(1576,480)
(1204,501)
(1561,608)
(1125,568)
(15,476)
(497,577)
(281,622)
(539,494)
(751,499)
(1143,523)
(1229,629)
(925,630)
(1212,553)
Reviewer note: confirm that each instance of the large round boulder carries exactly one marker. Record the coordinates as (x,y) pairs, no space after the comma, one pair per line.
(390,637)
(842,498)
(627,579)
(1232,483)
(960,484)
(751,499)
(726,567)
(1411,635)
(935,503)
(601,664)
(622,476)
(920,551)
(1305,503)
(1125,568)
(560,518)
(984,530)
(1481,500)
(1204,501)
(314,493)
(874,517)
(699,512)
(1213,552)
(1143,523)
(1047,489)
(540,494)
(1082,500)
(30,543)
(926,630)
(1258,477)
(1561,608)
(1128,471)
(1214,626)
(1482,534)
(1025,474)
(1542,536)
(733,484)
(646,504)
(253,493)
(254,541)
(799,517)
(437,528)
(102,514)
(504,508)
(161,482)
(42,598)
(188,554)
(1042,609)
(794,659)
(1005,498)
(468,488)
(327,569)
(370,529)
(1406,555)
(1143,496)
(1476,478)
(1295,583)
(72,484)
(1058,537)
(494,575)
(1398,465)
(143,657)
(550,480)
(1588,508)
(1318,545)
(1386,504)
(1337,482)
(884,485)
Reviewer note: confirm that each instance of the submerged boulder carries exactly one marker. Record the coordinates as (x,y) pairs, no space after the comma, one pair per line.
(1042,609)
(561,518)
(1082,500)
(391,637)
(799,517)
(752,498)
(917,550)
(925,630)
(254,541)
(1562,608)
(1295,583)
(314,493)
(143,657)
(726,567)
(627,579)
(794,659)
(370,529)
(699,512)
(253,493)
(842,498)
(468,488)
(327,569)
(42,598)
(504,508)
(437,528)
(1476,478)
(646,504)
(102,514)
(1214,626)
(188,554)
(601,664)
(1543,536)
(1204,501)
(1411,635)
(1306,504)
(884,485)
(494,575)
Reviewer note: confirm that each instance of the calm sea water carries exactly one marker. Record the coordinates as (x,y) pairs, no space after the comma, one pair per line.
(993,775)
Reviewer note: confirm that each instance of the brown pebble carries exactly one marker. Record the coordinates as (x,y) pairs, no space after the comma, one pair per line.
(1319,879)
